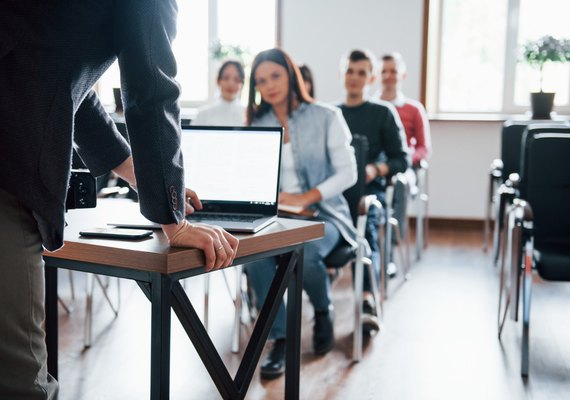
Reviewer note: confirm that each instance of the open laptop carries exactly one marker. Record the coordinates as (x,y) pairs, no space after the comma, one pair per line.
(235,172)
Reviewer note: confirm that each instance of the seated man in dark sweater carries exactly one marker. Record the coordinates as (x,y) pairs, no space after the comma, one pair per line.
(387,150)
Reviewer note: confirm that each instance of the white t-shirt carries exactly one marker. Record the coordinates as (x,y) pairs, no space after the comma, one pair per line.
(221,113)
(289,180)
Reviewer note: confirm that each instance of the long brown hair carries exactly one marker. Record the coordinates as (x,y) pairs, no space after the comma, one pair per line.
(296,86)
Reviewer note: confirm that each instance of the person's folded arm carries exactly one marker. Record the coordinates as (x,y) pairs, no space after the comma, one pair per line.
(96,138)
(144,32)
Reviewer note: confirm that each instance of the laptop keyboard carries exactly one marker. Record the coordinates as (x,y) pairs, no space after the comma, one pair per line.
(222,217)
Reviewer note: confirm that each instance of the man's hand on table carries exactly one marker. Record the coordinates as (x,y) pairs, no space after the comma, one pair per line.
(219,247)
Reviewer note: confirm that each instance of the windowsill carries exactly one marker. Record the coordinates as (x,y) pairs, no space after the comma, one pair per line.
(490,117)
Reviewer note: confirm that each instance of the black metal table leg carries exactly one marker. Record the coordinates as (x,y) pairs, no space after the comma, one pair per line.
(51,319)
(160,337)
(293,339)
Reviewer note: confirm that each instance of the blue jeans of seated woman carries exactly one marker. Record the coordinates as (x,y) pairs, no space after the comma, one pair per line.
(315,279)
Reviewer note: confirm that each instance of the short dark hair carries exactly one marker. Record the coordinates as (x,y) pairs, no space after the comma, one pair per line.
(296,89)
(236,64)
(359,55)
(398,60)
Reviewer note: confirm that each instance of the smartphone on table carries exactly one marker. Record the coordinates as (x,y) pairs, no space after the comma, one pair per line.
(116,233)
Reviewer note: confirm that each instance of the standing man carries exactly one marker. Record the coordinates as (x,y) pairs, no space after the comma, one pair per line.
(51,55)
(386,151)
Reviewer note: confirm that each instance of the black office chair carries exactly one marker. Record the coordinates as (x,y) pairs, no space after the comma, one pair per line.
(345,254)
(501,188)
(508,193)
(499,172)
(537,237)
(396,233)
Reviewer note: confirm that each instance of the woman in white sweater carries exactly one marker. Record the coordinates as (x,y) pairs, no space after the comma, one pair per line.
(227,109)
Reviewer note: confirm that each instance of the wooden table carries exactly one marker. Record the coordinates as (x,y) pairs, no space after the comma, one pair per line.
(157,269)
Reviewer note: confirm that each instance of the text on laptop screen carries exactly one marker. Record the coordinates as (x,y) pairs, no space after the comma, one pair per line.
(232,165)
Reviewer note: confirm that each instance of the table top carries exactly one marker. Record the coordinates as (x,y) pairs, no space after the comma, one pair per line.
(153,254)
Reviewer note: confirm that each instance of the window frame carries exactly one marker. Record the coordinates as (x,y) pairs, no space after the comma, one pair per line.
(213,65)
(433,12)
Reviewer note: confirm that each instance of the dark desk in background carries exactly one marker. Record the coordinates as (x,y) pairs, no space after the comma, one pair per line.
(157,269)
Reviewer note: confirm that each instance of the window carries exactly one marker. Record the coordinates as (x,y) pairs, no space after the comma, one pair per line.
(473,50)
(249,24)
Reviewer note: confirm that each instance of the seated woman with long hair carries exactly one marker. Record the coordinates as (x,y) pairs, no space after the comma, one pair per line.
(317,165)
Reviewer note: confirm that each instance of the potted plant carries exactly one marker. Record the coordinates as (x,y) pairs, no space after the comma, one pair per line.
(537,54)
(222,51)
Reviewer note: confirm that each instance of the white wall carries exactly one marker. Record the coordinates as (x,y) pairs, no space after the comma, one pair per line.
(318,32)
(459,167)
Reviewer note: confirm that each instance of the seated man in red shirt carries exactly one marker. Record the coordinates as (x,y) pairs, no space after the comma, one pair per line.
(412,112)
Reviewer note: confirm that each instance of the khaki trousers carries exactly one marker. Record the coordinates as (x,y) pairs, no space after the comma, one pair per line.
(23,356)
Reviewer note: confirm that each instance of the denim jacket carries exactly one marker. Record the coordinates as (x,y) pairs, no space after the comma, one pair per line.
(320,140)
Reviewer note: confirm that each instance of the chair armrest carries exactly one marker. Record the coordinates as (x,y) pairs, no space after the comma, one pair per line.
(506,190)
(496,169)
(523,214)
(366,202)
(399,177)
(514,180)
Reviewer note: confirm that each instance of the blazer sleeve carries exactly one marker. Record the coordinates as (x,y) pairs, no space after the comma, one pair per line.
(96,134)
(145,30)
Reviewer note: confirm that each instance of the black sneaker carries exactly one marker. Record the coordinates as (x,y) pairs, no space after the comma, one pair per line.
(370,321)
(274,365)
(323,332)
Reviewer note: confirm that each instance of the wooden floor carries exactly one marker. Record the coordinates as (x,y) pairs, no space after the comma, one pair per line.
(439,340)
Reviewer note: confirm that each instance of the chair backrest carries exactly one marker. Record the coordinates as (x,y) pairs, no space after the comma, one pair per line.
(512,143)
(401,191)
(529,133)
(511,137)
(355,193)
(546,184)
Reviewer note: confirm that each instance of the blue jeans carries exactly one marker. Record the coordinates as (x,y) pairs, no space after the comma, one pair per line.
(315,279)
(375,218)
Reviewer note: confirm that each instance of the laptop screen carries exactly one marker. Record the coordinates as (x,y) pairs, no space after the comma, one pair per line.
(233,169)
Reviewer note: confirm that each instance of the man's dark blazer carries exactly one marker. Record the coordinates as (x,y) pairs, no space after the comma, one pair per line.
(52,52)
